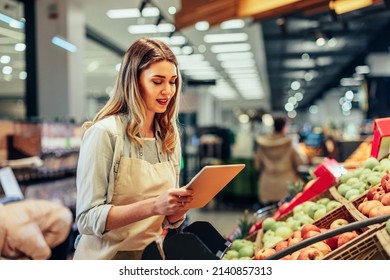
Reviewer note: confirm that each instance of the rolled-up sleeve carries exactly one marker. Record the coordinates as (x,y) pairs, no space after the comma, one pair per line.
(93,175)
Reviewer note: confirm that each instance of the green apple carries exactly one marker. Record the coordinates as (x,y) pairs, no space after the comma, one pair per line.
(284,231)
(351,192)
(370,162)
(246,251)
(352,181)
(272,241)
(320,213)
(333,204)
(323,201)
(373,180)
(267,235)
(385,162)
(358,185)
(230,254)
(388,226)
(277,224)
(354,196)
(345,177)
(314,209)
(267,223)
(306,206)
(237,244)
(298,209)
(343,188)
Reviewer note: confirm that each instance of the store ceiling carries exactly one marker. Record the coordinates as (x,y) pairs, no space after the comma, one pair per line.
(283,48)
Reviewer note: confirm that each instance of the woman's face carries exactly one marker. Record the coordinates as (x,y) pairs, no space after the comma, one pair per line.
(158,86)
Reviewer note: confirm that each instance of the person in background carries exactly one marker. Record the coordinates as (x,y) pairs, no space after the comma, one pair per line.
(277,160)
(129,162)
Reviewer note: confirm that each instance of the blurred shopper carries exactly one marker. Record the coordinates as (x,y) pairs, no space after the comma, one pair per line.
(277,160)
(129,163)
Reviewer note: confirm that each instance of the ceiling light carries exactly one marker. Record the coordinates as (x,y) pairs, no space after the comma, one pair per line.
(11,22)
(202,48)
(4,59)
(187,50)
(172,10)
(174,40)
(237,64)
(23,75)
(254,93)
(362,69)
(241,70)
(348,82)
(288,107)
(7,70)
(151,28)
(234,56)
(295,85)
(123,13)
(190,58)
(232,24)
(332,42)
(313,109)
(292,114)
(62,43)
(243,47)
(298,96)
(202,26)
(20,47)
(151,12)
(225,38)
(243,118)
(305,56)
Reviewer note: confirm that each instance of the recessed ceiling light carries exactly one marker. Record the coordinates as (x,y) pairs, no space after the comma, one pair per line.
(232,24)
(234,56)
(202,26)
(151,28)
(243,47)
(225,38)
(133,13)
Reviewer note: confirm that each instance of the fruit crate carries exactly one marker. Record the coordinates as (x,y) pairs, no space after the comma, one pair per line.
(342,212)
(353,208)
(330,193)
(373,244)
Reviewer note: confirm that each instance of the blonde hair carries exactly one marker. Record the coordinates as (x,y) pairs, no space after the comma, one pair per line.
(127,98)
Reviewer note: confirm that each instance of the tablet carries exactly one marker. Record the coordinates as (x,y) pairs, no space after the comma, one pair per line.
(210,181)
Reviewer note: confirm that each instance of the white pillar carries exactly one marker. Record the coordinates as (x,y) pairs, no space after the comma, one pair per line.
(61,82)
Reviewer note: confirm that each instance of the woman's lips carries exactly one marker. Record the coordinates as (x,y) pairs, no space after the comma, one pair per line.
(162,101)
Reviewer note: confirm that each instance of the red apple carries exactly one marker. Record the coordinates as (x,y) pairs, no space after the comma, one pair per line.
(386,199)
(346,237)
(296,233)
(281,245)
(310,253)
(385,182)
(310,233)
(264,253)
(322,246)
(338,223)
(309,227)
(373,190)
(332,242)
(295,255)
(294,240)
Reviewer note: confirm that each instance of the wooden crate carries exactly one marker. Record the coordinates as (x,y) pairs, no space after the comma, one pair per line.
(371,244)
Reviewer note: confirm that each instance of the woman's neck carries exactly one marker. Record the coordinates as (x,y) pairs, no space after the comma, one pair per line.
(148,130)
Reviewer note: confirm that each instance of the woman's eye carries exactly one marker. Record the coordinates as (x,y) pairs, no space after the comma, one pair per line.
(172,83)
(157,82)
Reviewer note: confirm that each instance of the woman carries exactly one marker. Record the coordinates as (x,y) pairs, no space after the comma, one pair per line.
(128,170)
(277,160)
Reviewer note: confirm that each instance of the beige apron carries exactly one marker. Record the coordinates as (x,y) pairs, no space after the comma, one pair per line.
(136,180)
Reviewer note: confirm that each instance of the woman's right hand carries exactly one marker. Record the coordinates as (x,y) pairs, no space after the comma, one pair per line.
(172,201)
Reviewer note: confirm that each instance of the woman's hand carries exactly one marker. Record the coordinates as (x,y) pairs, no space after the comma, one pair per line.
(173,201)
